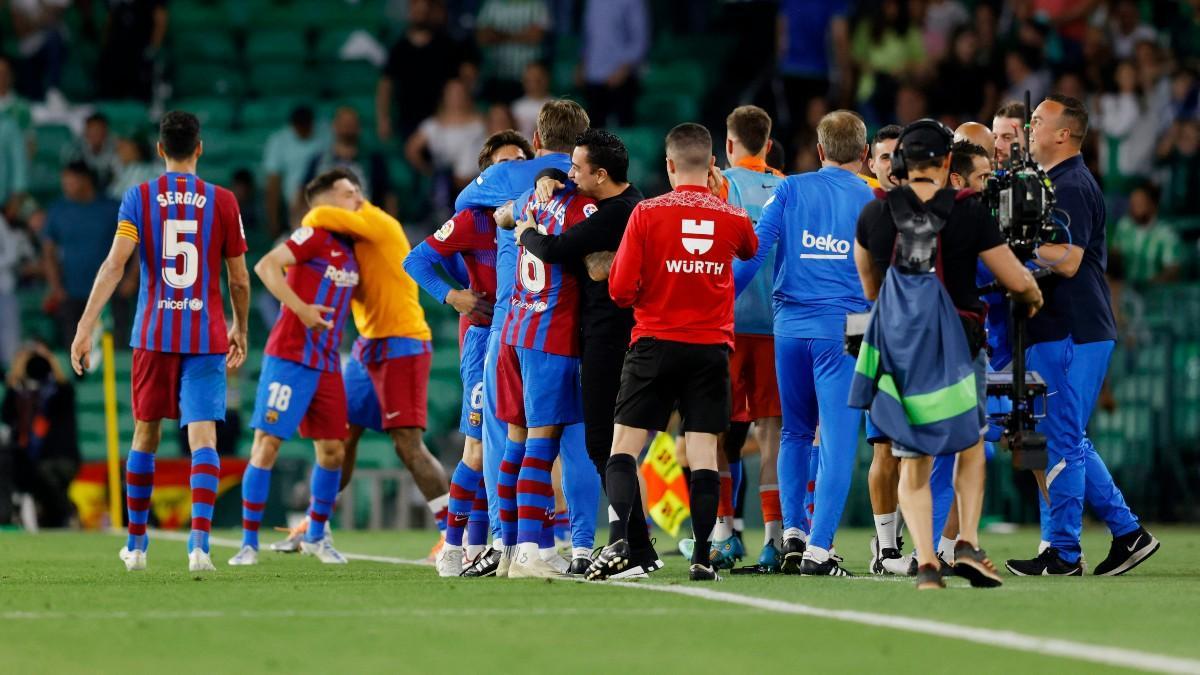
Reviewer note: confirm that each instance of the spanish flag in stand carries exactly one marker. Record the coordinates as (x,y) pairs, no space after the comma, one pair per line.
(666,488)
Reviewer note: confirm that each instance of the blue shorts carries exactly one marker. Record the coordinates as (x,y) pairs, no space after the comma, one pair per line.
(474,348)
(537,389)
(190,387)
(293,396)
(874,435)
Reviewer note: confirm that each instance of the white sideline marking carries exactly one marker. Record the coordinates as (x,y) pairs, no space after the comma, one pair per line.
(1081,651)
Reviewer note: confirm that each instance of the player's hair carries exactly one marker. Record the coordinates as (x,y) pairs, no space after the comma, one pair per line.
(1012,109)
(499,140)
(690,146)
(559,123)
(606,151)
(961,154)
(97,117)
(324,182)
(81,168)
(843,135)
(752,127)
(890,132)
(179,134)
(1075,114)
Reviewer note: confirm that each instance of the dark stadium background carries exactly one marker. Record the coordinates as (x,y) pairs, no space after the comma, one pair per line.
(243,66)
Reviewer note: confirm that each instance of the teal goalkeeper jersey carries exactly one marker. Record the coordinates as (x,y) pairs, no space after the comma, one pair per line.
(750,189)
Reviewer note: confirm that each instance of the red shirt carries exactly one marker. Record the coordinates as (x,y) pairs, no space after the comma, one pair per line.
(675,266)
(185,229)
(545,302)
(471,232)
(325,273)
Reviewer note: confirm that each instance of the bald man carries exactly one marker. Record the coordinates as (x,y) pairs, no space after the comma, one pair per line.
(977,134)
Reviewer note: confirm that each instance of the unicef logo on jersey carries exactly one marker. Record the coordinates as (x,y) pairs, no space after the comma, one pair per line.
(703,228)
(194,305)
(831,248)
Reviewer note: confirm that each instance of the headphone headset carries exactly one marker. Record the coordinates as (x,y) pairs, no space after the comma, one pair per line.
(899,161)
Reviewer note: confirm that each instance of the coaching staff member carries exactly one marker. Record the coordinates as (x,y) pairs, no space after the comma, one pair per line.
(674,268)
(599,169)
(1070,344)
(969,234)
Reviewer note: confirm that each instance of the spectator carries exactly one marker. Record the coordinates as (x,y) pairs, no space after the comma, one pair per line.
(510,33)
(1185,97)
(285,161)
(499,118)
(14,167)
(43,451)
(943,18)
(1127,29)
(814,51)
(963,87)
(79,231)
(12,104)
(16,250)
(132,38)
(97,149)
(449,141)
(407,94)
(1179,157)
(887,48)
(910,104)
(246,192)
(41,44)
(1148,248)
(616,40)
(1128,128)
(133,167)
(537,92)
(346,151)
(1024,71)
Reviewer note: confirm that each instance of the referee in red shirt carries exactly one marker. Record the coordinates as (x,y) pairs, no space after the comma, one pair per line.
(674,268)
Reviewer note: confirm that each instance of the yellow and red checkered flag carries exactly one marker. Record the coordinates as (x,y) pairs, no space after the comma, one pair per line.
(666,488)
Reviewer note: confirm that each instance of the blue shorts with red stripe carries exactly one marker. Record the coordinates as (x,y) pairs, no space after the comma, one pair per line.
(537,389)
(190,387)
(470,368)
(293,396)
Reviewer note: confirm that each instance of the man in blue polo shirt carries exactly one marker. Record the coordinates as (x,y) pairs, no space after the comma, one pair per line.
(1071,341)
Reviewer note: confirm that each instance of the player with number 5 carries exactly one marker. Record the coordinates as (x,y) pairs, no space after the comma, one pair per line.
(183,229)
(301,381)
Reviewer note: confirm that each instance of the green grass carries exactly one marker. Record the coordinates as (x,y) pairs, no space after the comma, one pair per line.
(67,605)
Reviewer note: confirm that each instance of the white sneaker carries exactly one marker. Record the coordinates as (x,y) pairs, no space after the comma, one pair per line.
(292,543)
(323,551)
(525,566)
(897,566)
(135,560)
(199,561)
(506,557)
(449,561)
(556,561)
(247,556)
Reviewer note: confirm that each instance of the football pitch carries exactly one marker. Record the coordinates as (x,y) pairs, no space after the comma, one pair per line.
(68,605)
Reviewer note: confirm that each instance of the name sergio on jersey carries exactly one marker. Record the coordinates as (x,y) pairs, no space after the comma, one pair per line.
(184,198)
(830,247)
(341,278)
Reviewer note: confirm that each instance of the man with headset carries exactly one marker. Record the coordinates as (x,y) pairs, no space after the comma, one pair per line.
(951,230)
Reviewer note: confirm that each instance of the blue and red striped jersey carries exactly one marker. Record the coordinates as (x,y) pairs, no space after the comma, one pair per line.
(325,273)
(544,314)
(185,229)
(472,233)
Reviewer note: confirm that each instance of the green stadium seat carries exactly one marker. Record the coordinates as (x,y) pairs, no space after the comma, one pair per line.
(197,15)
(562,76)
(678,77)
(329,44)
(213,111)
(280,79)
(207,79)
(51,140)
(284,45)
(666,109)
(350,78)
(357,15)
(214,45)
(270,113)
(124,116)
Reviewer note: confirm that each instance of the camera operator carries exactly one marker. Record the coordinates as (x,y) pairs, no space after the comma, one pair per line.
(967,233)
(1070,345)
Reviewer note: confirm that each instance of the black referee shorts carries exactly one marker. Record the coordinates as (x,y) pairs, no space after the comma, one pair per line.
(660,374)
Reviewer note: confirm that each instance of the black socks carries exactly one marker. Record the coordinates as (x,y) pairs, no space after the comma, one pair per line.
(705,494)
(623,492)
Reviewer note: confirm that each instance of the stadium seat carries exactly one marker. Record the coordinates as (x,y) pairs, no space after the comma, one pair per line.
(269,113)
(274,79)
(191,43)
(213,112)
(678,77)
(50,141)
(205,79)
(350,78)
(329,44)
(281,45)
(199,15)
(353,15)
(124,116)
(666,108)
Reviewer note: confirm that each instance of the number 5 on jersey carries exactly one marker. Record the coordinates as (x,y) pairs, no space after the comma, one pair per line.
(175,245)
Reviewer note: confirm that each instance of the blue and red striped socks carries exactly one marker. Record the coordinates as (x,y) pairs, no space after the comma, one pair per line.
(324,487)
(139,485)
(206,475)
(256,485)
(506,489)
(463,485)
(535,491)
(477,522)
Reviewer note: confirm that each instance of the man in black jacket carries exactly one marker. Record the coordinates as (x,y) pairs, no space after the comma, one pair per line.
(599,168)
